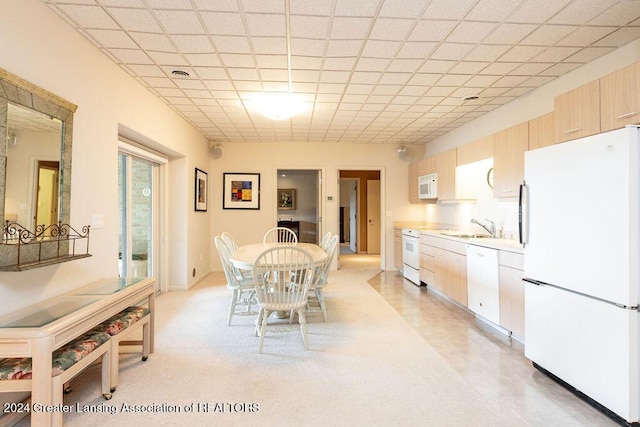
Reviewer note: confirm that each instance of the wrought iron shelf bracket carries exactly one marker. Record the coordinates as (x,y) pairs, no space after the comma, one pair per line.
(22,249)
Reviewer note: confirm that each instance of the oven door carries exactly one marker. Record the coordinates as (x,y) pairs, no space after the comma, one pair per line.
(411,259)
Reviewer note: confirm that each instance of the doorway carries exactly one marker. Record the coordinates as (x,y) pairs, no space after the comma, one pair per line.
(139,216)
(48,184)
(299,206)
(360,212)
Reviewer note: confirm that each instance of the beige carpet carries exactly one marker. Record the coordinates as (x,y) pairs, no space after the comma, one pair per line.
(365,366)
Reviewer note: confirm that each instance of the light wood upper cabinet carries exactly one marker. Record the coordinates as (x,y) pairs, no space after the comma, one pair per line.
(620,98)
(413,182)
(446,166)
(475,151)
(577,112)
(427,165)
(541,131)
(509,147)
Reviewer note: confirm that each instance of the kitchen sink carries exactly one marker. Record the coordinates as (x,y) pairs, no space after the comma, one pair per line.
(465,235)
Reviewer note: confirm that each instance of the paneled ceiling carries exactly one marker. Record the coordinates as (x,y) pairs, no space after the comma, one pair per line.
(374,71)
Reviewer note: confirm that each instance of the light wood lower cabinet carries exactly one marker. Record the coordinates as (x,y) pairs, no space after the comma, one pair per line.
(397,248)
(443,267)
(512,293)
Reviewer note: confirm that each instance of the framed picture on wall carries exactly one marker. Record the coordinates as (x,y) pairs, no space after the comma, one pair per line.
(286,199)
(241,191)
(201,188)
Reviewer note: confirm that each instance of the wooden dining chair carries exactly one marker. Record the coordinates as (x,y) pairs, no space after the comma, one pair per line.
(282,276)
(243,289)
(280,235)
(321,276)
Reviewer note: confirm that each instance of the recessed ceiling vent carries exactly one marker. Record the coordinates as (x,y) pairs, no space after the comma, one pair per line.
(180,73)
(470,98)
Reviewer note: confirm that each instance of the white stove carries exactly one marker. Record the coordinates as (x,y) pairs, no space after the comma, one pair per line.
(411,255)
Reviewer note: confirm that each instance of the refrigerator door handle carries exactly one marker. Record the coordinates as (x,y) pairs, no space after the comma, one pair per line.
(523,218)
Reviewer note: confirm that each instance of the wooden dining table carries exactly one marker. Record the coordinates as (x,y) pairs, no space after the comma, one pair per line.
(244,257)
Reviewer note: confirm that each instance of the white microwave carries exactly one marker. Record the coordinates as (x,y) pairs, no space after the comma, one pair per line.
(428,186)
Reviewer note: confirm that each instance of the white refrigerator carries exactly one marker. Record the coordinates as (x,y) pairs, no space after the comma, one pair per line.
(579,207)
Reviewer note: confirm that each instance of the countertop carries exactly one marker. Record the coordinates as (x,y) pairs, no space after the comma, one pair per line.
(509,245)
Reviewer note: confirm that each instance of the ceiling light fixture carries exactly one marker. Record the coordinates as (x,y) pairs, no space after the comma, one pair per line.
(281,105)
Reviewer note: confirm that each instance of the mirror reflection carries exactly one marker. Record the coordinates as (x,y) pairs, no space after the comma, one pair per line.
(32,183)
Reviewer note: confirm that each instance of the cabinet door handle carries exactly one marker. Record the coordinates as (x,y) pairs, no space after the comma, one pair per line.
(573,130)
(624,116)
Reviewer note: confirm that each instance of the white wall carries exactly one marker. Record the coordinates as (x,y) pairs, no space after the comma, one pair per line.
(41,48)
(248,226)
(532,105)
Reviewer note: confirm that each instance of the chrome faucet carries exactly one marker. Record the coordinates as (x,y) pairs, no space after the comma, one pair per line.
(491,229)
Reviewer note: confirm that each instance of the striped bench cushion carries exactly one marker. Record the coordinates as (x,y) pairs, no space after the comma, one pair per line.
(20,368)
(123,320)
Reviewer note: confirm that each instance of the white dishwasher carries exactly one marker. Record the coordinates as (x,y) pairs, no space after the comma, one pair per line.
(483,292)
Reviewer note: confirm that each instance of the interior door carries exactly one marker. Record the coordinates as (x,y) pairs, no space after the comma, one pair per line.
(373,216)
(46,206)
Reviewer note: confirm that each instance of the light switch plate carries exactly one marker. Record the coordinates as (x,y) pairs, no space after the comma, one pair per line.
(97,221)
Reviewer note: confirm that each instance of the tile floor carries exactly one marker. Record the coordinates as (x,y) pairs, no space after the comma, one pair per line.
(491,362)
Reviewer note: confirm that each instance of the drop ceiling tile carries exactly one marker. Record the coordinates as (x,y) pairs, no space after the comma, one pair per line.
(380,49)
(585,36)
(492,10)
(310,27)
(159,82)
(416,49)
(537,81)
(356,8)
(131,56)
(146,70)
(315,8)
(620,37)
(266,25)
(431,30)
(308,47)
(468,67)
(271,61)
(243,73)
(269,45)
(155,42)
(112,38)
(238,61)
(227,24)
(232,44)
(437,66)
(424,79)
(536,12)
(618,14)
(555,54)
(203,60)
(510,81)
(350,28)
(560,69)
(453,80)
(589,54)
(193,43)
(372,64)
(500,68)
(139,20)
(344,48)
(581,11)
(451,51)
(88,16)
(395,78)
(531,68)
(391,29)
(447,9)
(521,53)
(405,65)
(548,34)
(124,3)
(164,58)
(509,34)
(486,53)
(387,89)
(340,64)
(248,86)
(481,81)
(403,8)
(470,32)
(306,63)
